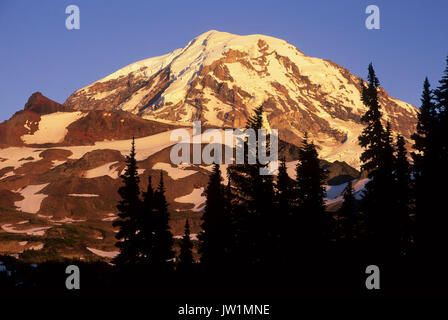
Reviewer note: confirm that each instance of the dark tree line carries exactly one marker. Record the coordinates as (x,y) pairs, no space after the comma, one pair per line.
(263,224)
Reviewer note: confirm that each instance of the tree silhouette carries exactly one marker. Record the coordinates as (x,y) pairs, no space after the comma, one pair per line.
(185,261)
(347,214)
(215,236)
(162,253)
(378,160)
(403,191)
(309,194)
(129,208)
(147,224)
(253,193)
(285,221)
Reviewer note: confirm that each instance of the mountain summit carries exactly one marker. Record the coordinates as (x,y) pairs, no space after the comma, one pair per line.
(219,78)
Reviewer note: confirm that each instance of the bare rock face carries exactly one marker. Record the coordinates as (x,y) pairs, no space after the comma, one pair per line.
(218,78)
(40,104)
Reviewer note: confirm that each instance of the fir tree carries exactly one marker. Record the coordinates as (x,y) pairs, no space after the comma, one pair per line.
(215,235)
(129,214)
(441,102)
(147,223)
(425,158)
(309,195)
(431,142)
(347,214)
(378,160)
(403,194)
(285,223)
(162,253)
(254,195)
(424,138)
(185,261)
(372,135)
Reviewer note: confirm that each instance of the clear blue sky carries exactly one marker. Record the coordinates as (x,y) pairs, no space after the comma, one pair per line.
(37,52)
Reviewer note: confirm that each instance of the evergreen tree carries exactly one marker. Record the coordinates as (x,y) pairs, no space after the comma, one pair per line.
(162,253)
(403,194)
(347,214)
(424,138)
(378,160)
(372,135)
(147,223)
(253,195)
(441,99)
(441,102)
(283,189)
(431,143)
(284,221)
(309,196)
(129,209)
(185,262)
(426,157)
(215,235)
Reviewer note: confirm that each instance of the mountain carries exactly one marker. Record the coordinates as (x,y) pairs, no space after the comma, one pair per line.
(218,78)
(60,163)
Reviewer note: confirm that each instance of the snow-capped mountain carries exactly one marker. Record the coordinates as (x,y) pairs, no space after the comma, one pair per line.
(60,164)
(219,78)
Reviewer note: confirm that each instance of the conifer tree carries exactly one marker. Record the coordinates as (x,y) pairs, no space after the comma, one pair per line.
(431,142)
(254,195)
(185,262)
(372,135)
(162,253)
(129,208)
(441,102)
(347,214)
(147,223)
(378,160)
(309,195)
(424,137)
(403,194)
(215,236)
(285,222)
(283,189)
(425,158)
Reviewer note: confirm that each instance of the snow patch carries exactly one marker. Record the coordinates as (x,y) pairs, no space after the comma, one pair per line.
(196,197)
(32,198)
(53,127)
(103,254)
(40,231)
(104,170)
(174,172)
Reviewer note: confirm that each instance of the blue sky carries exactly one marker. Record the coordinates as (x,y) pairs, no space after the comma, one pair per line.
(38,53)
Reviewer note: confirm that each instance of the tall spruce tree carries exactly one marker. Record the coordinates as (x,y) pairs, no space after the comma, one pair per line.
(185,261)
(147,223)
(254,193)
(162,253)
(378,160)
(309,196)
(130,208)
(215,236)
(403,193)
(284,223)
(441,102)
(424,137)
(347,214)
(433,153)
(425,159)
